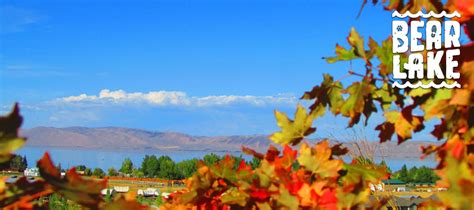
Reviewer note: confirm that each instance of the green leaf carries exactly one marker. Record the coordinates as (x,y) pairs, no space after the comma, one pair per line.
(367,172)
(356,103)
(418,92)
(357,42)
(342,54)
(286,199)
(235,197)
(385,56)
(384,96)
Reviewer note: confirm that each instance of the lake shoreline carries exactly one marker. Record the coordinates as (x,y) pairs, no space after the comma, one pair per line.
(106,158)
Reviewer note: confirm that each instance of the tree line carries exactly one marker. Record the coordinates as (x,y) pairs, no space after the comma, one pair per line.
(161,167)
(16,163)
(165,168)
(422,174)
(415,174)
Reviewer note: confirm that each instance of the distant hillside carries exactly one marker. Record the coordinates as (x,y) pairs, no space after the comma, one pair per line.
(126,138)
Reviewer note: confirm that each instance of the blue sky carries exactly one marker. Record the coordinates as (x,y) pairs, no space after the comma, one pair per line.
(204,67)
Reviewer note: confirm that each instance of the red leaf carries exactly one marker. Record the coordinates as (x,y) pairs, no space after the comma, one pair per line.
(387,130)
(260,194)
(328,200)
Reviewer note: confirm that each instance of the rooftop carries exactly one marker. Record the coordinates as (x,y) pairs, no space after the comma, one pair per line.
(392,181)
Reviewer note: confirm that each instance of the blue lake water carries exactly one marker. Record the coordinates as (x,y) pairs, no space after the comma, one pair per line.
(69,157)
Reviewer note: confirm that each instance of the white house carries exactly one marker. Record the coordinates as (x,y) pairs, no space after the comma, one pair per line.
(149,192)
(121,189)
(31,172)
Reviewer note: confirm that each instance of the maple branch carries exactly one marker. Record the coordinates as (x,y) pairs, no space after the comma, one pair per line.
(343,77)
(361,75)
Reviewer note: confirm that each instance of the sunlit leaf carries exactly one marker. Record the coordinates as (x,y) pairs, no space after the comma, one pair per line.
(358,101)
(293,131)
(404,124)
(328,93)
(319,161)
(342,54)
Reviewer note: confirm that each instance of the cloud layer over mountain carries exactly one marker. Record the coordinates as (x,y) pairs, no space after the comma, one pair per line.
(172,98)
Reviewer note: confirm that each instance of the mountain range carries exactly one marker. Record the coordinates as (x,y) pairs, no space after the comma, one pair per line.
(128,138)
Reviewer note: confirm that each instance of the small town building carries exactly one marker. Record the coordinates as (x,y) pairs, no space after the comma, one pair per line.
(31,172)
(149,192)
(121,189)
(394,185)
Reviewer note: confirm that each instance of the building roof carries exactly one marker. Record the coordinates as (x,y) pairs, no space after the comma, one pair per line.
(121,189)
(392,181)
(423,183)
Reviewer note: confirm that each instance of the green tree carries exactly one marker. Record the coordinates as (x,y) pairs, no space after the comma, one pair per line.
(98,172)
(255,162)
(18,163)
(403,174)
(137,173)
(87,172)
(425,175)
(127,166)
(112,172)
(412,174)
(81,168)
(238,160)
(211,159)
(168,169)
(187,168)
(24,164)
(150,166)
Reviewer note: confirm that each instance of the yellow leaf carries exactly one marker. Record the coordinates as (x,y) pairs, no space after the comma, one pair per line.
(293,131)
(318,160)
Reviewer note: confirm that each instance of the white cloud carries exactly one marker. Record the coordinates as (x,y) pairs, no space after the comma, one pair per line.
(171,98)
